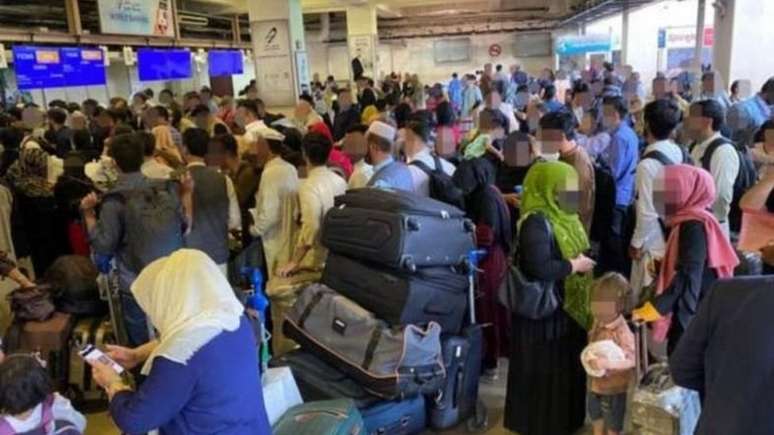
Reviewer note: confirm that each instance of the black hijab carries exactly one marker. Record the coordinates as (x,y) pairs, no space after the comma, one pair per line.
(484,203)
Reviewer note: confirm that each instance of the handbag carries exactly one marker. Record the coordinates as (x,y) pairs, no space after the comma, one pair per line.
(32,303)
(533,299)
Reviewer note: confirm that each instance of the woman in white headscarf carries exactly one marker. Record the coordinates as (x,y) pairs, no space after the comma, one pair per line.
(203,372)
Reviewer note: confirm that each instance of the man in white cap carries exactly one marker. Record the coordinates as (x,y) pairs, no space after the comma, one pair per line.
(276,203)
(388,173)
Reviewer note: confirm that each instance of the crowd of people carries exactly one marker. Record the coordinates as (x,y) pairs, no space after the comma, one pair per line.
(569,176)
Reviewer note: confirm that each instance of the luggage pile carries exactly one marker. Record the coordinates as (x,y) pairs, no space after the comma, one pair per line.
(59,316)
(386,327)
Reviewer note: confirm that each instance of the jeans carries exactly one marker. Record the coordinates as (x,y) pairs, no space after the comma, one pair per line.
(135,320)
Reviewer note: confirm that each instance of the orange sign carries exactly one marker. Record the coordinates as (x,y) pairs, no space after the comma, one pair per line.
(47,56)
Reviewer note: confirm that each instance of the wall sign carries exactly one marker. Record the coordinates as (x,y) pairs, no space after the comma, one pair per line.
(495,50)
(363,48)
(571,45)
(136,17)
(272,38)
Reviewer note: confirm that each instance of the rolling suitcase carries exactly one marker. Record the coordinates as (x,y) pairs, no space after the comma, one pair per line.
(391,363)
(48,338)
(318,380)
(330,417)
(458,399)
(83,391)
(397,229)
(404,417)
(399,297)
(658,406)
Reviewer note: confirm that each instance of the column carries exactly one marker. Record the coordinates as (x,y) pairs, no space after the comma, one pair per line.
(279,51)
(362,37)
(625,34)
(741,38)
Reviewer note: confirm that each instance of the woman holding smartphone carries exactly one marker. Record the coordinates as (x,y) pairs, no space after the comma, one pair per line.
(201,377)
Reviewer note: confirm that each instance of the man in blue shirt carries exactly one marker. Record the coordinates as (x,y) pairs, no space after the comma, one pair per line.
(746,117)
(550,101)
(621,156)
(388,174)
(455,93)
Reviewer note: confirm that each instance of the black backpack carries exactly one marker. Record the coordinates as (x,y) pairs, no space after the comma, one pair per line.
(745,178)
(442,188)
(153,225)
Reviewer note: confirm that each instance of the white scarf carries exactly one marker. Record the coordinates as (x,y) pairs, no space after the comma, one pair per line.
(189,301)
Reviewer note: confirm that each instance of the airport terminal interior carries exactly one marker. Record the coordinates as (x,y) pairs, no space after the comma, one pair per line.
(386,217)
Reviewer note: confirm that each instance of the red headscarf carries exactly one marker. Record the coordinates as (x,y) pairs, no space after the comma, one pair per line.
(691,194)
(336,158)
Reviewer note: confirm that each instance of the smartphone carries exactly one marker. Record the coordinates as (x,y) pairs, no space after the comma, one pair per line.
(91,354)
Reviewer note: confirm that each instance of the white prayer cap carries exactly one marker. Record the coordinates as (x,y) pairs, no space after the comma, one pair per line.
(383,130)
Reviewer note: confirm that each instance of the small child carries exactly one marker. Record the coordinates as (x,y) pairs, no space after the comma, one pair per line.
(607,394)
(492,126)
(28,403)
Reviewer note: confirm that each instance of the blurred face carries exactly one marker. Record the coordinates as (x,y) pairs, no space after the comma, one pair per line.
(302,109)
(137,101)
(345,100)
(355,146)
(165,98)
(596,88)
(252,93)
(105,121)
(205,97)
(551,141)
(262,149)
(412,143)
(583,99)
(697,123)
(665,199)
(568,195)
(660,88)
(587,124)
(768,139)
(78,123)
(202,120)
(604,310)
(611,117)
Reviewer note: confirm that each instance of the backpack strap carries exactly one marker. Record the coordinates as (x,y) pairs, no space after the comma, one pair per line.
(659,157)
(423,167)
(706,159)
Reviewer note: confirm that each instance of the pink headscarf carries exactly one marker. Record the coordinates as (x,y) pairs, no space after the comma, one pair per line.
(336,158)
(691,194)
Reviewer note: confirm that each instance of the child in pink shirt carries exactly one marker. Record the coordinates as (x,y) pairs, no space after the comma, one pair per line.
(607,394)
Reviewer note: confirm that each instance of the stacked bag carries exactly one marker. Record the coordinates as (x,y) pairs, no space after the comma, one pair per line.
(384,328)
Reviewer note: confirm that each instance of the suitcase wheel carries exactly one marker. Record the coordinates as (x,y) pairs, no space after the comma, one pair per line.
(479,421)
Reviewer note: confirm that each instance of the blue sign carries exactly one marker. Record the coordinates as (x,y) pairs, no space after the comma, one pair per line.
(38,67)
(570,45)
(159,64)
(58,67)
(661,38)
(225,62)
(83,66)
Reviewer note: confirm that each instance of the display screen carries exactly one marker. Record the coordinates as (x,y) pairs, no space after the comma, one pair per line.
(225,62)
(58,67)
(83,66)
(159,64)
(38,67)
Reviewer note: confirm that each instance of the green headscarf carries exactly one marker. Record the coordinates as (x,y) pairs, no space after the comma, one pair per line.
(544,182)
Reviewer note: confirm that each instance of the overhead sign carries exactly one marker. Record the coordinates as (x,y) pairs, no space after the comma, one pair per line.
(163,64)
(58,67)
(685,37)
(225,62)
(495,50)
(273,39)
(83,66)
(570,45)
(136,17)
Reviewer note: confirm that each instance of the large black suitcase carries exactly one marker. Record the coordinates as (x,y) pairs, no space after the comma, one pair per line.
(397,229)
(400,297)
(458,400)
(318,380)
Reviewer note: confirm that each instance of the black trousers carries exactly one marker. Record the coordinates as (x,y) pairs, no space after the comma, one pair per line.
(614,250)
